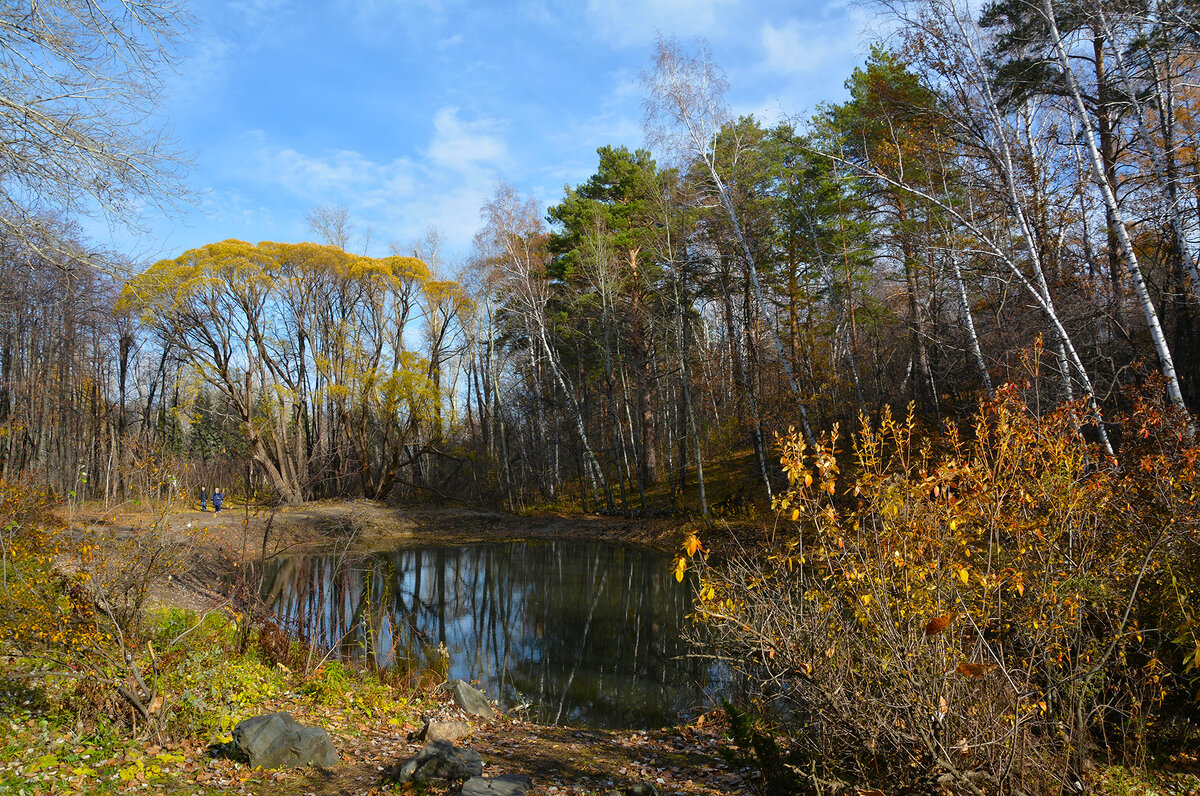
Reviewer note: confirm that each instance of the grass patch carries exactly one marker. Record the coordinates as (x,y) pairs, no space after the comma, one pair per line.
(55,739)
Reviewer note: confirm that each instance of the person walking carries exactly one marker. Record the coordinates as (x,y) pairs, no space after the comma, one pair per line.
(203,498)
(218,498)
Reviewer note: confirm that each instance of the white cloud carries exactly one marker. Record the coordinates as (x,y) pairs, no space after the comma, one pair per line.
(205,67)
(804,61)
(399,199)
(538,12)
(259,12)
(340,176)
(464,145)
(636,22)
(380,20)
(798,47)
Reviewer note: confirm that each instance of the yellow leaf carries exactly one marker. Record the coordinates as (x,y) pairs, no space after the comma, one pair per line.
(808,479)
(796,514)
(964,576)
(680,568)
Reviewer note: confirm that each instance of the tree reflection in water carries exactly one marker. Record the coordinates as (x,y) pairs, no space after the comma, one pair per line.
(586,633)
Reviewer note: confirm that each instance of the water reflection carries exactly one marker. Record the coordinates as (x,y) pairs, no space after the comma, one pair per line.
(585,633)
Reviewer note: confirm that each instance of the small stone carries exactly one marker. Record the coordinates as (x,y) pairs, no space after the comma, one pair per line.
(641,789)
(443,731)
(441,760)
(505,785)
(470,699)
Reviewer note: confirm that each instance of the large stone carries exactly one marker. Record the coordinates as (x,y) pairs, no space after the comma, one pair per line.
(276,740)
(441,760)
(470,699)
(506,785)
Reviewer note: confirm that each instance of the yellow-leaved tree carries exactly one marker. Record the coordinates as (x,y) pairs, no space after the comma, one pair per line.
(309,345)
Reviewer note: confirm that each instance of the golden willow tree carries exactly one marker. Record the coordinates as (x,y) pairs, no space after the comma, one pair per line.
(307,344)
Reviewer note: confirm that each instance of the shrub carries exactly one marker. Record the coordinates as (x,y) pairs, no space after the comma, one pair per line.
(216,689)
(72,601)
(977,611)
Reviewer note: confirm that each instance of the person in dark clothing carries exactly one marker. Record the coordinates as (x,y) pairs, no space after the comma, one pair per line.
(218,498)
(204,498)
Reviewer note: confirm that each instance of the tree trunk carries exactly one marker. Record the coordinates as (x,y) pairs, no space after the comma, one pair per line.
(1159,340)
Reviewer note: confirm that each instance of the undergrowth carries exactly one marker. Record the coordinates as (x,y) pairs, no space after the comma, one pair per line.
(60,739)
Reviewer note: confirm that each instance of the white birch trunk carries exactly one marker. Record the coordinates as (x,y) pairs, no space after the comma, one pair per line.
(1157,337)
(1157,161)
(976,351)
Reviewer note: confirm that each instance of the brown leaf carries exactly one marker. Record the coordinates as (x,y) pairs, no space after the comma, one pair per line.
(940,623)
(968,669)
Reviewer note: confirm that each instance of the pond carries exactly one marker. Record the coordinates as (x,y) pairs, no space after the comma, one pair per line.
(571,632)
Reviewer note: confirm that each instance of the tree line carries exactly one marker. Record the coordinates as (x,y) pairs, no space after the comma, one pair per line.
(1018,176)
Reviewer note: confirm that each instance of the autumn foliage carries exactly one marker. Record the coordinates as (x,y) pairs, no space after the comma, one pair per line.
(72,599)
(993,607)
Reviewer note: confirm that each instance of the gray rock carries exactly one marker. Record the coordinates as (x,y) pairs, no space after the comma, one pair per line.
(506,785)
(441,760)
(443,730)
(470,699)
(276,740)
(641,789)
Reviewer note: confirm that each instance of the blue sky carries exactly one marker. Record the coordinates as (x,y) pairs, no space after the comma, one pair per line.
(409,112)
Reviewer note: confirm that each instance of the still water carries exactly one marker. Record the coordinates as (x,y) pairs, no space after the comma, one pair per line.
(579,633)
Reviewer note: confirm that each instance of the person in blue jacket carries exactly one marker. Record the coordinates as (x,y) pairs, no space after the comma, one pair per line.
(218,498)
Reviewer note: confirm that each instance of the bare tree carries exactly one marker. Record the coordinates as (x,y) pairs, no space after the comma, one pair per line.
(332,225)
(79,88)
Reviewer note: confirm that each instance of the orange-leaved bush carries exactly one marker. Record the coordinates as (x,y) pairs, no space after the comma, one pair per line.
(985,608)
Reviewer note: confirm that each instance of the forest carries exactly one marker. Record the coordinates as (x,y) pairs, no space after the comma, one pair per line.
(990,186)
(939,342)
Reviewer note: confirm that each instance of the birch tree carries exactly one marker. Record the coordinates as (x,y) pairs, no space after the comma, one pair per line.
(684,113)
(517,238)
